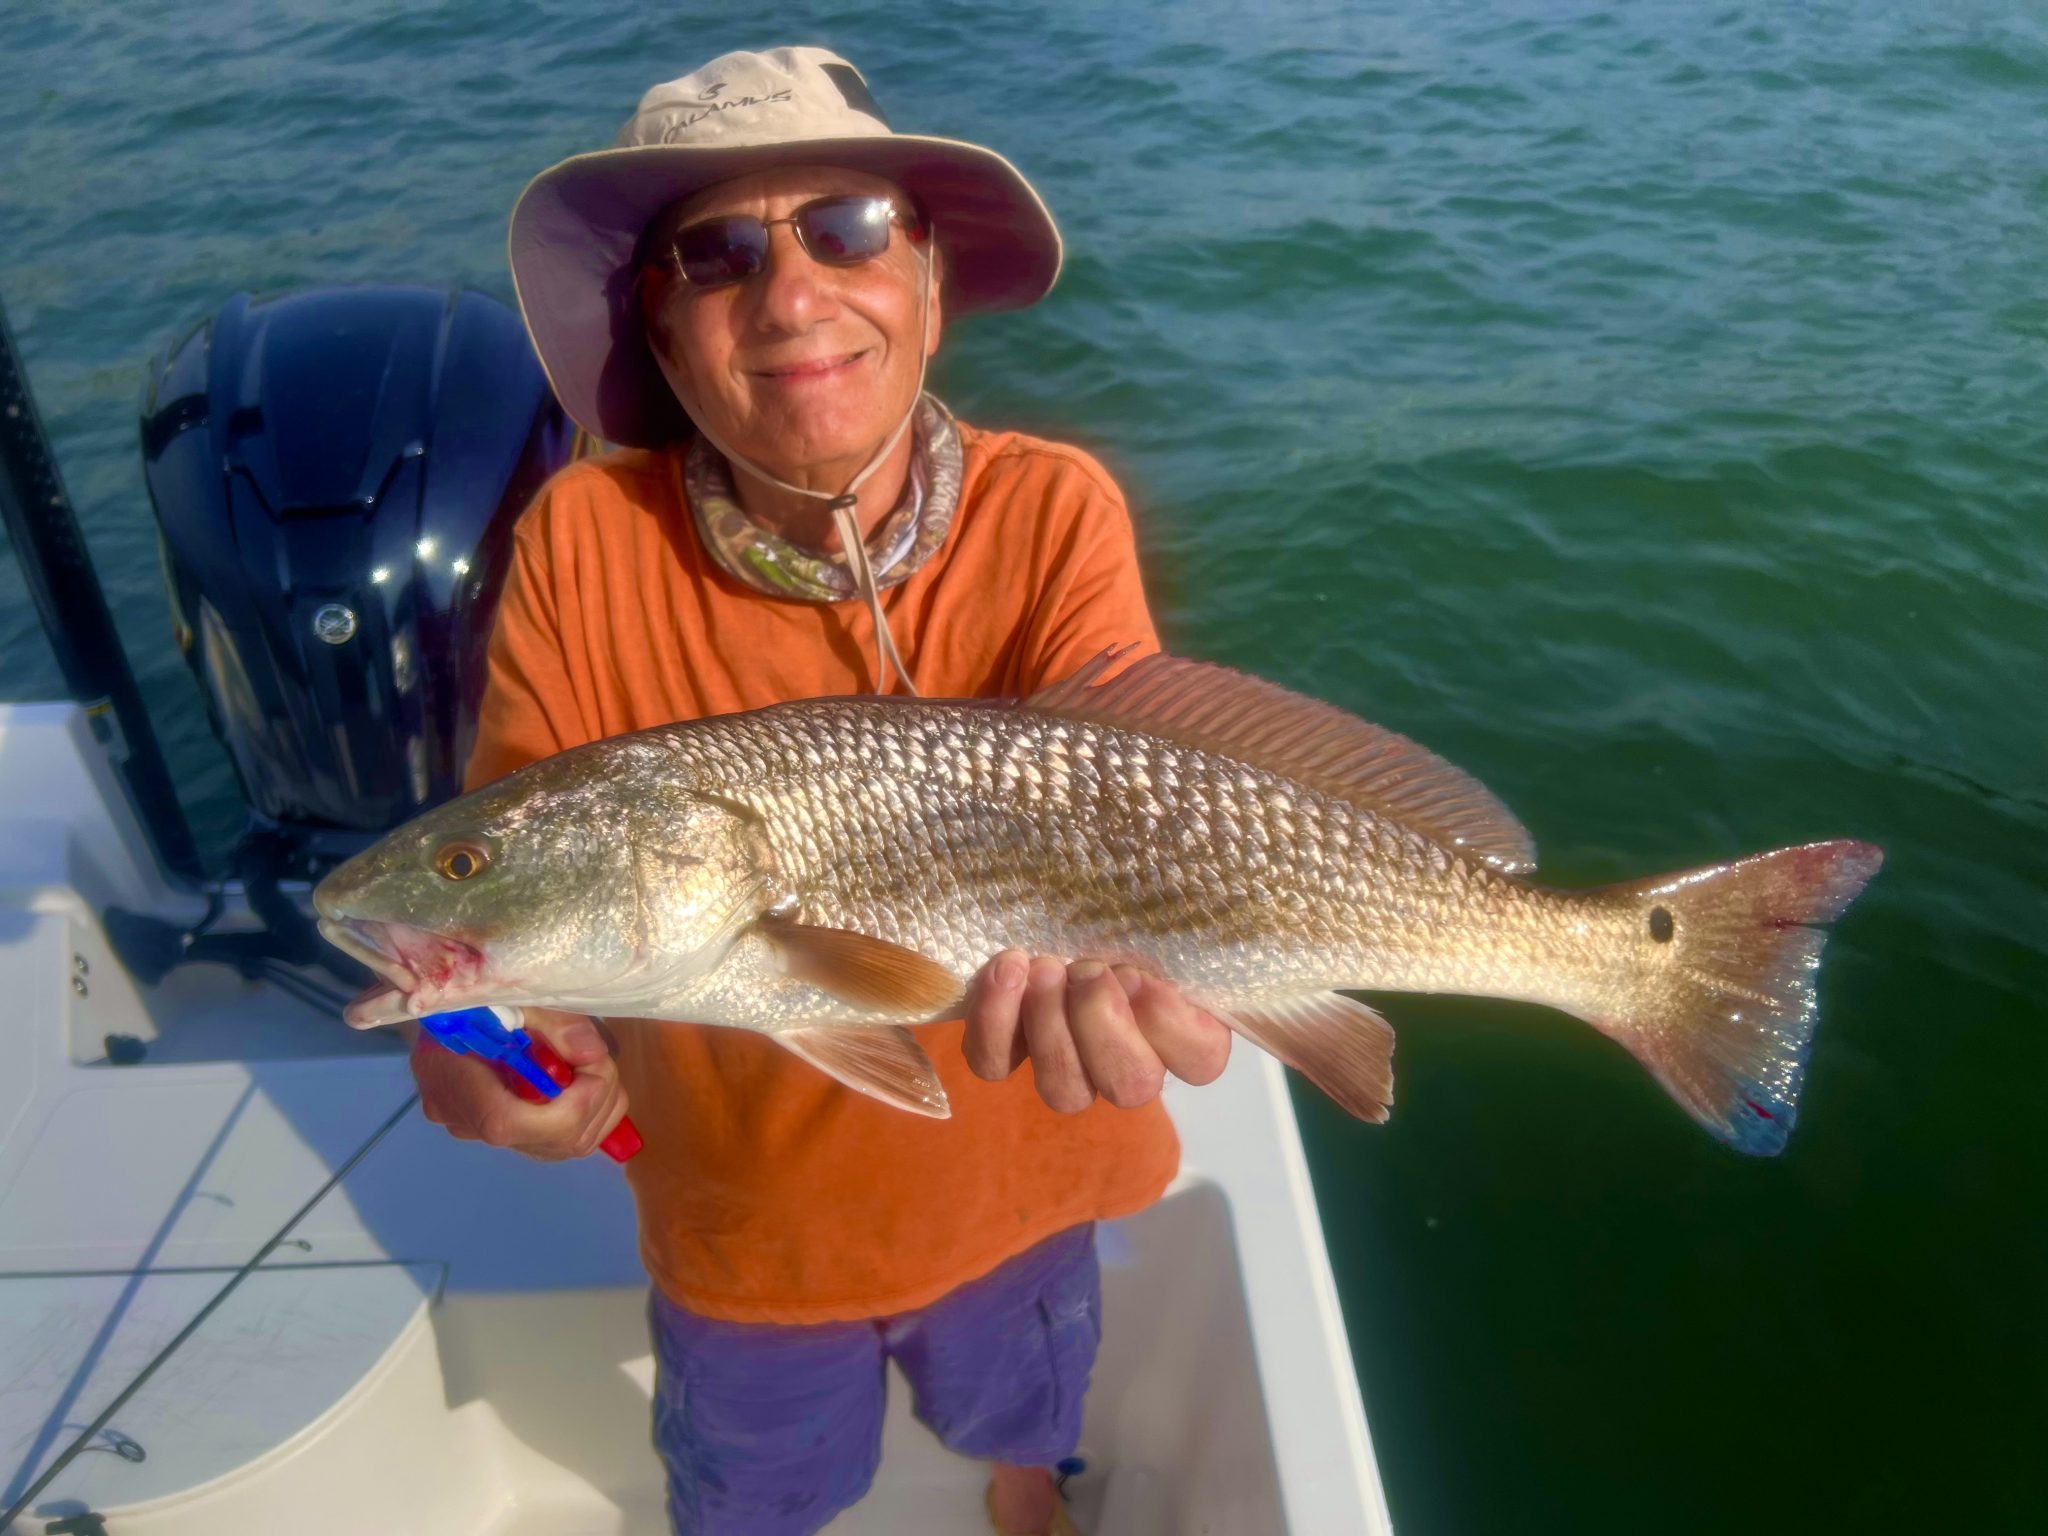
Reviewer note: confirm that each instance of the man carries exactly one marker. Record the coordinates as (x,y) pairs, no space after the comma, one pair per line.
(743,295)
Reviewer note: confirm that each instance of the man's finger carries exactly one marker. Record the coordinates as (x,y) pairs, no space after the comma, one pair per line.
(608,1109)
(452,1087)
(993,1041)
(1192,1045)
(558,1128)
(574,1036)
(473,1101)
(581,1100)
(1055,1064)
(1123,1068)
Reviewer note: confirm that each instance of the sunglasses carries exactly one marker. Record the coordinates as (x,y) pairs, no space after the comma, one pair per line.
(833,231)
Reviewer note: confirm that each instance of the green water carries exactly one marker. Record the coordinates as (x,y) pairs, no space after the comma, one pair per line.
(1645,406)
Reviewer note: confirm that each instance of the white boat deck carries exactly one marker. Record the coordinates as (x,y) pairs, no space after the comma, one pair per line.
(454,1341)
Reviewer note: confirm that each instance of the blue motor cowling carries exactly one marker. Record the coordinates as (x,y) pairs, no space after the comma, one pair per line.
(335,476)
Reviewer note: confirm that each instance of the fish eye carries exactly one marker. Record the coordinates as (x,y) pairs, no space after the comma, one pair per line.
(461,860)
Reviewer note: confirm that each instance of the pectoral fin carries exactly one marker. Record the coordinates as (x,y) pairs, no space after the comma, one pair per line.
(884,1063)
(867,972)
(1336,1042)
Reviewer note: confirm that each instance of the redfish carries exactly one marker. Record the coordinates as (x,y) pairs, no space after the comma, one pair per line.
(830,871)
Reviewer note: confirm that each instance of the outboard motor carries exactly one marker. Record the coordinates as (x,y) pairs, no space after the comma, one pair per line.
(335,475)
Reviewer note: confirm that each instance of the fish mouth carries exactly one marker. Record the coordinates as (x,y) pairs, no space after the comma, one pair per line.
(419,972)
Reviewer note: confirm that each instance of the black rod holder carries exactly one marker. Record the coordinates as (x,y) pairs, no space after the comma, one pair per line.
(68,596)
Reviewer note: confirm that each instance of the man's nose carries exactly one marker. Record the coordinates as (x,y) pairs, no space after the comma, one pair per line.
(793,292)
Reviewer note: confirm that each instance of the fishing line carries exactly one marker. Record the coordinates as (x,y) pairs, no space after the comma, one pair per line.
(277,1239)
(301,988)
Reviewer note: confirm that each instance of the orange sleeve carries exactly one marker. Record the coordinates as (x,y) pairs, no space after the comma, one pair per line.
(530,708)
(1093,599)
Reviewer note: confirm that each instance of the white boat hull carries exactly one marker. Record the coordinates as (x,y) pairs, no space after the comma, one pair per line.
(457,1342)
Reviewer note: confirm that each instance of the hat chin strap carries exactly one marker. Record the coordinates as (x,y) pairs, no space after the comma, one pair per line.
(845,506)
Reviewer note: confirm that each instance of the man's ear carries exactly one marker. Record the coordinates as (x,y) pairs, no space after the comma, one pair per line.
(935,312)
(650,298)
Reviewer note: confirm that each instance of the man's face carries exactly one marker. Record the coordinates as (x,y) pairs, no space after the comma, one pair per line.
(802,368)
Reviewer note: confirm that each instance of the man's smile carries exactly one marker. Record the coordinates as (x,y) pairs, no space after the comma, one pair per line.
(804,370)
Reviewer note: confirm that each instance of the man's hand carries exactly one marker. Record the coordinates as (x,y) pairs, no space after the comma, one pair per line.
(1088,1029)
(466,1094)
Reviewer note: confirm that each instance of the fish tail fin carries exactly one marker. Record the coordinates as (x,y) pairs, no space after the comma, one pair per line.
(1722,1007)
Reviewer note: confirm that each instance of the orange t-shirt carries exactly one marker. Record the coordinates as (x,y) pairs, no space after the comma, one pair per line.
(768,1192)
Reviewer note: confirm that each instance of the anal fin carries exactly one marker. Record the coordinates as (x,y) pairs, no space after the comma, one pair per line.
(1336,1042)
(884,1062)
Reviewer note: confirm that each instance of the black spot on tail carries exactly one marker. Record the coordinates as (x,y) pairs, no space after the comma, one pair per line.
(1660,925)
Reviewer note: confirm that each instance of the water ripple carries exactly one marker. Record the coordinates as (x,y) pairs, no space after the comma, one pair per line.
(1645,405)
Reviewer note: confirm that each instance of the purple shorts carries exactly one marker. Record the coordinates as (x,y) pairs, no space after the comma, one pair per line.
(771,1430)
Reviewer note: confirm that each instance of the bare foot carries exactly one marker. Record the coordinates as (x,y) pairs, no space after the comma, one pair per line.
(1021,1499)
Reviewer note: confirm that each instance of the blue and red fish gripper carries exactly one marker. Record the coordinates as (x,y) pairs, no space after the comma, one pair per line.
(527,1063)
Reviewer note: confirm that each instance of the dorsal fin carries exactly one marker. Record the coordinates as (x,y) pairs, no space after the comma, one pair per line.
(1233,715)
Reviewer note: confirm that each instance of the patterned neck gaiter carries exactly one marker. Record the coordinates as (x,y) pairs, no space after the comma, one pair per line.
(902,542)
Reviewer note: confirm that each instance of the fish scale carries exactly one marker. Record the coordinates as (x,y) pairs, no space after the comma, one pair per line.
(1240,882)
(830,871)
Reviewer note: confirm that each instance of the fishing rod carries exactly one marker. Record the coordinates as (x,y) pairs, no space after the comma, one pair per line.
(58,569)
(86,1436)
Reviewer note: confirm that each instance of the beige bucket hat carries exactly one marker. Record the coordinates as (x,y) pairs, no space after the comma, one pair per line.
(576,225)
